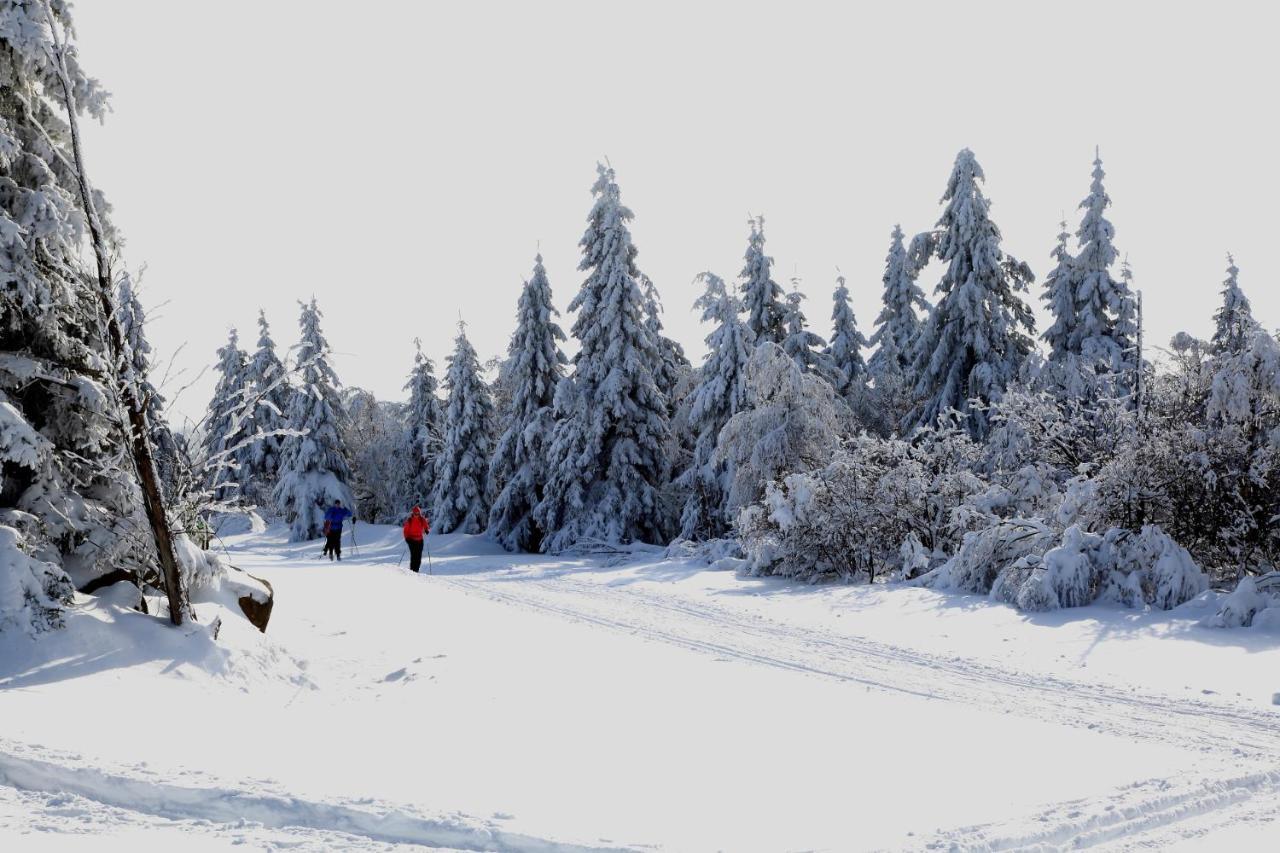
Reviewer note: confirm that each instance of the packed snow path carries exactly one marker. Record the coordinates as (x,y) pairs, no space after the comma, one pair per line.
(516,702)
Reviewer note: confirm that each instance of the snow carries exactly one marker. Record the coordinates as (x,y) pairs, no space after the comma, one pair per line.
(518,701)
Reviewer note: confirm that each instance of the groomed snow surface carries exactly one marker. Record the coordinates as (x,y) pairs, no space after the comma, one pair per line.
(514,702)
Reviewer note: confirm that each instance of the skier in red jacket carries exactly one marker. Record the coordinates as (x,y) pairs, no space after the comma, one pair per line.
(414,529)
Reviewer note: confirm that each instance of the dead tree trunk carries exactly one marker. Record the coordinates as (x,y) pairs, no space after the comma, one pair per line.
(139,432)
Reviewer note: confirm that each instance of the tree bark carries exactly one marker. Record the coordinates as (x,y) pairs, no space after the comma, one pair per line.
(140,433)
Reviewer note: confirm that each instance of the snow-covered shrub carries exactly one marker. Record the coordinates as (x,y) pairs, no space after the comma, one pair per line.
(378,444)
(985,553)
(1246,606)
(792,424)
(33,592)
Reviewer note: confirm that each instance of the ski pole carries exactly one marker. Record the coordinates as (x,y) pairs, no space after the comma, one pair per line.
(430,568)
(354,546)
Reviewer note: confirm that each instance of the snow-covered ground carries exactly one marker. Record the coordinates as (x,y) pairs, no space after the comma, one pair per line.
(520,702)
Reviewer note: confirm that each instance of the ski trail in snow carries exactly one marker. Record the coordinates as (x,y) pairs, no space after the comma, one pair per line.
(1153,808)
(233,808)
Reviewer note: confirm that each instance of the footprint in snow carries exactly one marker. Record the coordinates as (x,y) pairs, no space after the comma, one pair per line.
(398,675)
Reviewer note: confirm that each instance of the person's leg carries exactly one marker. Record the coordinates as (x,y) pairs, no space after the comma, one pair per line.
(337,544)
(415,554)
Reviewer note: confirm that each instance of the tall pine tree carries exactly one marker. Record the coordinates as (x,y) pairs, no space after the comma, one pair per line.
(672,363)
(228,426)
(534,367)
(69,506)
(460,497)
(844,353)
(1233,321)
(978,335)
(1098,296)
(424,423)
(267,384)
(898,324)
(314,471)
(1060,297)
(720,394)
(761,295)
(607,457)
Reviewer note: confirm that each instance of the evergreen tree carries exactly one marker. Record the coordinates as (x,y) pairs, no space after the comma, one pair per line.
(845,350)
(314,471)
(897,324)
(721,393)
(805,347)
(534,367)
(1060,295)
(1098,296)
(268,388)
(607,455)
(226,446)
(1233,322)
(672,363)
(69,507)
(425,420)
(761,295)
(460,497)
(978,335)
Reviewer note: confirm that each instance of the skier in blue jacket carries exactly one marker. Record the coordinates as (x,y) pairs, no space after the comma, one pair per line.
(333,518)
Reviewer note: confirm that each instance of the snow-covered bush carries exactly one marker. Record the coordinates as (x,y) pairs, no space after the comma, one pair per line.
(1241,606)
(792,424)
(985,553)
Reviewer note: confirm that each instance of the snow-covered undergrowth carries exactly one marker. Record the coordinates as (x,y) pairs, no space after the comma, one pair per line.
(623,701)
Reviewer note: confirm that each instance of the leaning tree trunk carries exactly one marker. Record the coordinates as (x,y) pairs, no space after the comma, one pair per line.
(139,432)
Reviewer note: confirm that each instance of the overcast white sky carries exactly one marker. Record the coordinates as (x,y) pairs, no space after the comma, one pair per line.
(400,160)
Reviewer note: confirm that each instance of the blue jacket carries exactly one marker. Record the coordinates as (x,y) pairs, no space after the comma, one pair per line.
(335,515)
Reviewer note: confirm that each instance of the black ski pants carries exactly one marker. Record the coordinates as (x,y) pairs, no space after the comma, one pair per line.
(415,554)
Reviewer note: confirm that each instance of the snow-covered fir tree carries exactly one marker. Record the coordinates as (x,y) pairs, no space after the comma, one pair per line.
(672,364)
(1060,297)
(608,457)
(805,347)
(228,426)
(1097,296)
(720,394)
(761,295)
(460,497)
(268,388)
(314,471)
(534,367)
(424,419)
(69,508)
(1233,322)
(979,333)
(898,323)
(844,353)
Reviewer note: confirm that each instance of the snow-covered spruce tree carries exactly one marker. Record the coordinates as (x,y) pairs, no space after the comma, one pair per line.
(460,498)
(761,295)
(266,384)
(225,446)
(1086,321)
(170,457)
(534,367)
(424,419)
(608,456)
(844,353)
(672,365)
(979,333)
(1060,297)
(720,394)
(898,324)
(806,348)
(313,465)
(1233,323)
(69,501)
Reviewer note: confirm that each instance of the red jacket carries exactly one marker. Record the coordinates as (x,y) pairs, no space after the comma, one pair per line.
(416,526)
